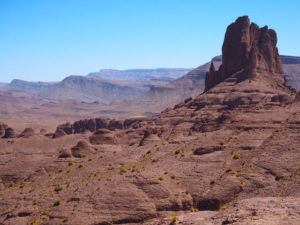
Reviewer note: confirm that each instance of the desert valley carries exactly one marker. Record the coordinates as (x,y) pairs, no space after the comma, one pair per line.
(216,144)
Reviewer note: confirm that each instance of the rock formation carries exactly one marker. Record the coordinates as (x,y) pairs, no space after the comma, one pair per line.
(28,132)
(9,133)
(64,153)
(150,136)
(247,51)
(82,149)
(3,127)
(103,136)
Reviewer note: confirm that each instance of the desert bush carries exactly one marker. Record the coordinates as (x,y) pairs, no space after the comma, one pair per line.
(161,178)
(213,180)
(236,156)
(154,160)
(173,220)
(177,151)
(58,188)
(192,209)
(122,171)
(56,203)
(228,169)
(279,176)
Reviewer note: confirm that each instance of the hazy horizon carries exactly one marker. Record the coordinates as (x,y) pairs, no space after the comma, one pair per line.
(49,40)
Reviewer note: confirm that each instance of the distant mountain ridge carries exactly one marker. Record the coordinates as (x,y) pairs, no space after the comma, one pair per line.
(28,86)
(140,74)
(145,91)
(90,89)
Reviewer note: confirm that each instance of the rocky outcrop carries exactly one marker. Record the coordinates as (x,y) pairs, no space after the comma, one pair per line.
(246,52)
(150,136)
(28,132)
(3,127)
(103,136)
(91,125)
(81,149)
(9,133)
(64,153)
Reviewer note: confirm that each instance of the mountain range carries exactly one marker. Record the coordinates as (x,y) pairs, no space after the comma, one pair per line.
(144,91)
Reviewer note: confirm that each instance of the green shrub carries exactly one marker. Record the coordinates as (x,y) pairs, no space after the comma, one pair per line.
(173,220)
(213,180)
(236,156)
(228,169)
(154,160)
(58,188)
(177,151)
(173,177)
(122,171)
(161,178)
(65,219)
(56,203)
(279,176)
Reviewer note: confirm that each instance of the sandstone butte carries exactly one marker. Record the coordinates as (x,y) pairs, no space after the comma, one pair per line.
(229,156)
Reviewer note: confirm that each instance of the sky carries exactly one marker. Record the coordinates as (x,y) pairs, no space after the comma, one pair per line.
(47,40)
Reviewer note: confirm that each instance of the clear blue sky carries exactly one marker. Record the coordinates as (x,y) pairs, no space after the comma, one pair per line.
(50,39)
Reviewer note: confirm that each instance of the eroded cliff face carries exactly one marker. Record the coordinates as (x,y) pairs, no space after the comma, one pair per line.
(247,51)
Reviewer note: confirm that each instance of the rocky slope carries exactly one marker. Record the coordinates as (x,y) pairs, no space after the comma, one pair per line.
(228,156)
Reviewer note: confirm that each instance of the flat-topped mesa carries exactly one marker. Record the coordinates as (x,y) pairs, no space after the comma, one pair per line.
(246,52)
